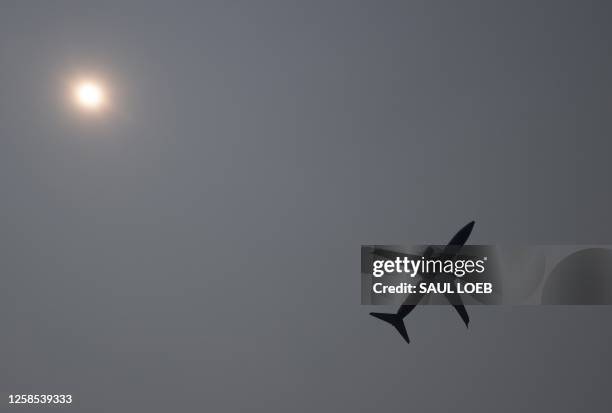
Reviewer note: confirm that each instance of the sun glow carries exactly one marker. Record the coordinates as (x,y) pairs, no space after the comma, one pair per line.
(90,95)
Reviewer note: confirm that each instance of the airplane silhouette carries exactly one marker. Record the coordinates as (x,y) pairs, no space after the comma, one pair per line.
(409,304)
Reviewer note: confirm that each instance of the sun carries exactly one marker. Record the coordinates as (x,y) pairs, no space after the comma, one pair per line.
(89,95)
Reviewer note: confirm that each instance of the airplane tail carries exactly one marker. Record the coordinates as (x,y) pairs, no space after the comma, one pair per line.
(396,321)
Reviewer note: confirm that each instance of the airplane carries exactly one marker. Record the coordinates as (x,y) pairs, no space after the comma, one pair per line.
(452,248)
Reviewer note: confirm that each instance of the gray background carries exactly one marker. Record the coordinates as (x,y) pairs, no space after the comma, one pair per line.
(199,249)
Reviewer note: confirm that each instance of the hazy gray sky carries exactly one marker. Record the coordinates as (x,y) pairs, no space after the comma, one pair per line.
(198,248)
